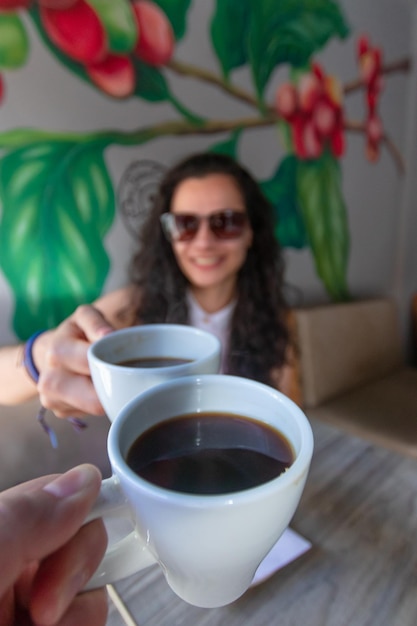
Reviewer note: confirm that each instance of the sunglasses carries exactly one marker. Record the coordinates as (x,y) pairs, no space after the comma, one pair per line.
(227,224)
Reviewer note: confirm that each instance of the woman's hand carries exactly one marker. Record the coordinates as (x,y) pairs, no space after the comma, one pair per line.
(47,555)
(60,356)
(65,386)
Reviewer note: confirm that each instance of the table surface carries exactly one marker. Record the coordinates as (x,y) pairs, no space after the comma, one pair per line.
(359,510)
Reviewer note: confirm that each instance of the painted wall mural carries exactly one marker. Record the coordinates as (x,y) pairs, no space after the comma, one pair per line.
(57,197)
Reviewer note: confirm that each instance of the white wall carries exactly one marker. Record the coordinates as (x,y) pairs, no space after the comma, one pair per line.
(380,201)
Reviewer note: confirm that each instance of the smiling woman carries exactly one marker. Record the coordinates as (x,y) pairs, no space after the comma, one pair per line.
(219,265)
(219,269)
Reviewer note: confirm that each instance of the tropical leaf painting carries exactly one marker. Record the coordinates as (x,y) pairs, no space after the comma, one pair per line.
(58,203)
(57,196)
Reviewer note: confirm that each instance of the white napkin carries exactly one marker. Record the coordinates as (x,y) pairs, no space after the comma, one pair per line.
(289,547)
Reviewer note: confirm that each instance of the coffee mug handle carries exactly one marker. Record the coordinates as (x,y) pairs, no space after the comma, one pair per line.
(128,555)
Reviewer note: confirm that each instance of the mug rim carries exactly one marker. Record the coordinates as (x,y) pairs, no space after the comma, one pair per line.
(294,473)
(156,329)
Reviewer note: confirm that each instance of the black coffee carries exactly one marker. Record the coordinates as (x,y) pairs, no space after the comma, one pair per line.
(210,453)
(157,361)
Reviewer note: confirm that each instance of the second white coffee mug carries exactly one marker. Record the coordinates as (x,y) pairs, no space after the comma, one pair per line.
(117,381)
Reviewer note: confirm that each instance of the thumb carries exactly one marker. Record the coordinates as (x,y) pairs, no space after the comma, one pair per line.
(38,517)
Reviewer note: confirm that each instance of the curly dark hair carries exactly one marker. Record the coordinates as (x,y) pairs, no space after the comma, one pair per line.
(259,334)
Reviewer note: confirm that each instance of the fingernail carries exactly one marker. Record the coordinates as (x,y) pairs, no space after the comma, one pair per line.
(103,331)
(72,482)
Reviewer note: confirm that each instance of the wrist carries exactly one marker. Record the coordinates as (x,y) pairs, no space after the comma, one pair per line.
(30,362)
(39,350)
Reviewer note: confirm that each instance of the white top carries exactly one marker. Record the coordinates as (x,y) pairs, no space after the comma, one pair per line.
(217,323)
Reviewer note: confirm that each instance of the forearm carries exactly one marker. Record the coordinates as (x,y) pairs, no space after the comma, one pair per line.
(16,386)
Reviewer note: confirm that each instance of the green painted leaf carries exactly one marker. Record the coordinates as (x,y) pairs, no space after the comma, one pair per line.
(290,31)
(58,203)
(325,218)
(281,191)
(228,147)
(14,42)
(229,30)
(119,22)
(151,84)
(176,12)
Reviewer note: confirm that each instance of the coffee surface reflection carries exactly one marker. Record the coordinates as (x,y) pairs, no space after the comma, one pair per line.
(210,453)
(157,361)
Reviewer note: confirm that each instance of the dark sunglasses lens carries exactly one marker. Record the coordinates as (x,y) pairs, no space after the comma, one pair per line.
(228,224)
(186,227)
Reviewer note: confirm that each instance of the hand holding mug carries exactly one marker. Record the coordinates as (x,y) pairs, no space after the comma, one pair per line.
(47,553)
(65,386)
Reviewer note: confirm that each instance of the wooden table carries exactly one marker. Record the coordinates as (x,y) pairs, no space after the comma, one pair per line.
(359,510)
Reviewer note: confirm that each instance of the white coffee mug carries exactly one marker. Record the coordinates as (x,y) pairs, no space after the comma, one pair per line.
(208,546)
(117,384)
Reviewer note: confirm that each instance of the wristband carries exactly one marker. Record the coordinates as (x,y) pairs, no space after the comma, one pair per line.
(28,361)
(33,372)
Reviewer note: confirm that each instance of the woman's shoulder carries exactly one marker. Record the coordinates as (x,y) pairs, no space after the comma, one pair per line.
(120,306)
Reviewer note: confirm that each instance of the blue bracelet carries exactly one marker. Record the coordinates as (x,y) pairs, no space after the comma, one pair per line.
(33,372)
(28,361)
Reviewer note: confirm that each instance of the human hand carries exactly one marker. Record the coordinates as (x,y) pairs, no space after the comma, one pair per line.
(47,555)
(65,385)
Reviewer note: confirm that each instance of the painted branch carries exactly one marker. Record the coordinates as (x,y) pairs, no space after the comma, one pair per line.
(185,69)
(11,139)
(395,153)
(402,65)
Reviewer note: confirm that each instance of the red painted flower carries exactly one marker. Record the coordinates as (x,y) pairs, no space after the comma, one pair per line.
(156,37)
(286,101)
(374,135)
(12,5)
(77,31)
(313,108)
(370,70)
(57,4)
(115,75)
